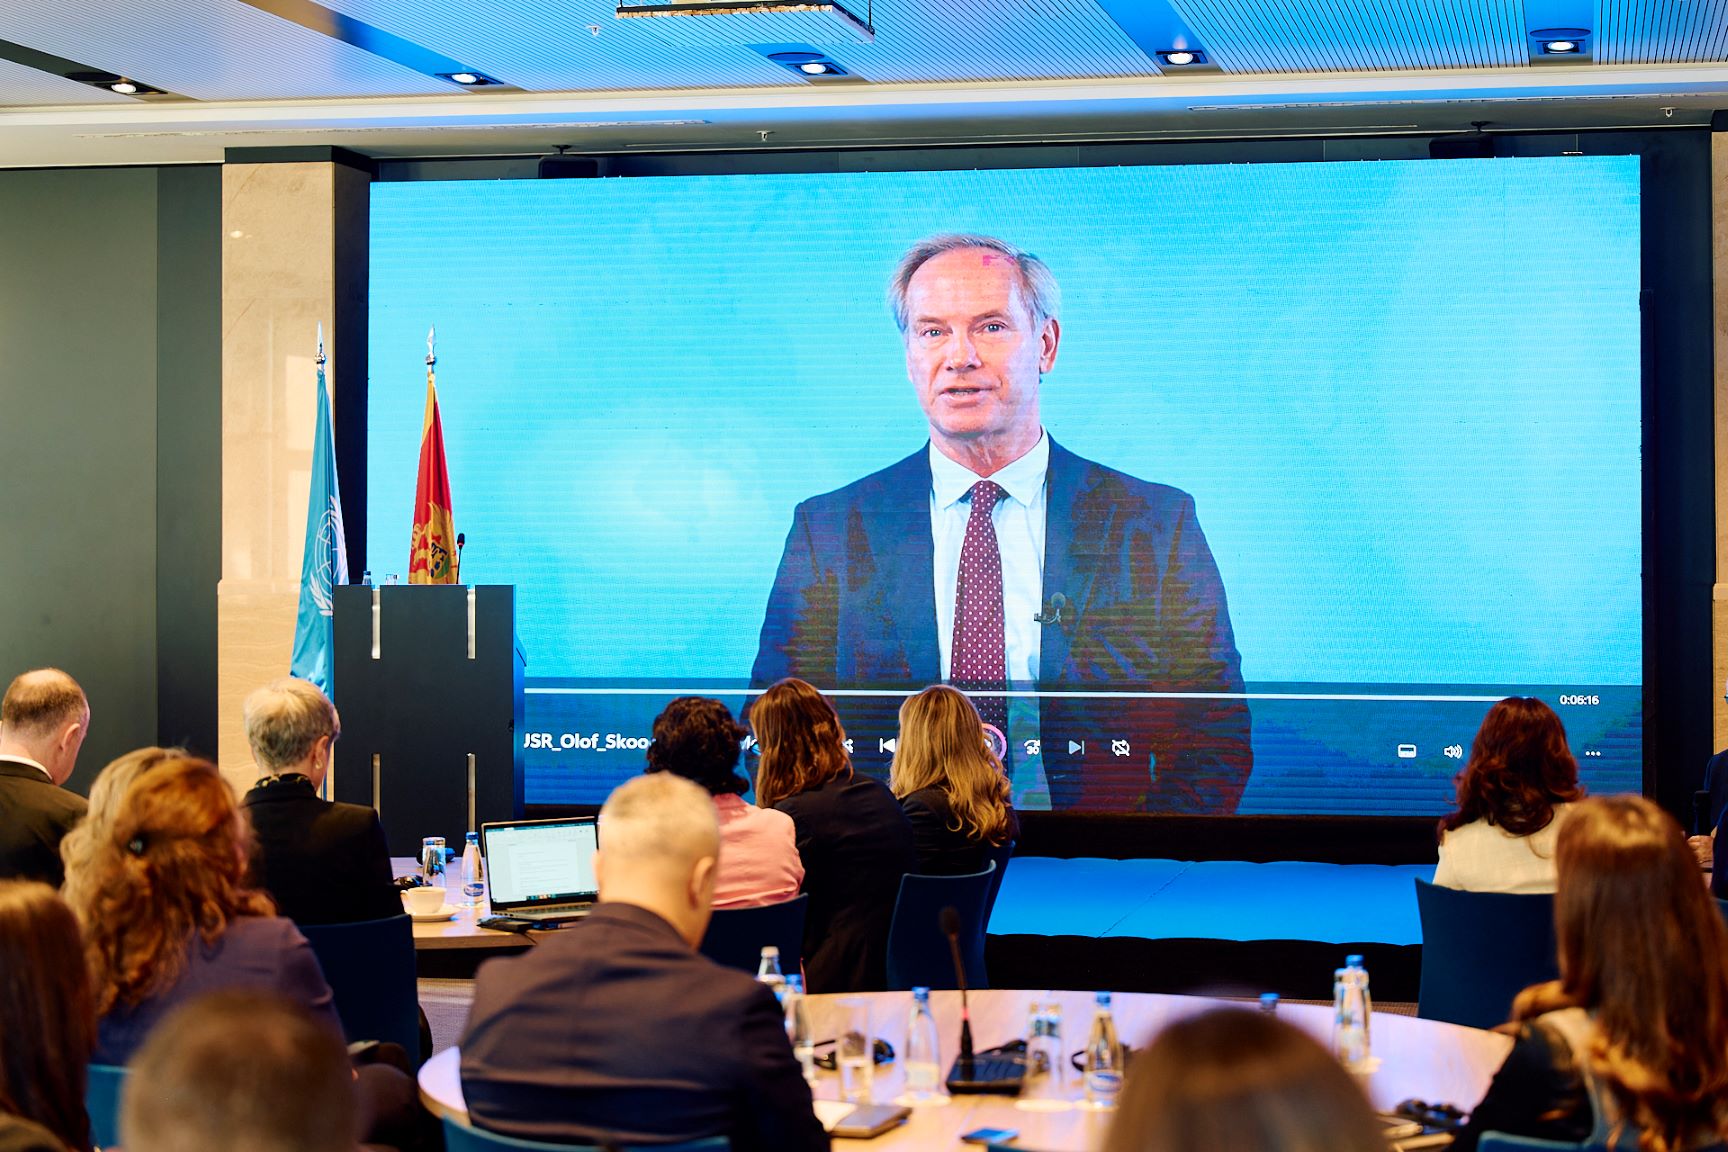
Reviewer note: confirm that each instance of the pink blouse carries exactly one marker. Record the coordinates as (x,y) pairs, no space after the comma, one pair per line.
(759,861)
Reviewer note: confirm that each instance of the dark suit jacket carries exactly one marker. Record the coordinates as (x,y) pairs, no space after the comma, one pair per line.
(323,863)
(944,850)
(616,1030)
(854,605)
(20,1135)
(35,815)
(855,844)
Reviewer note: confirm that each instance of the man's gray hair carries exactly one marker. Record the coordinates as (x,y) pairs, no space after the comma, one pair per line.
(659,815)
(1038,285)
(284,719)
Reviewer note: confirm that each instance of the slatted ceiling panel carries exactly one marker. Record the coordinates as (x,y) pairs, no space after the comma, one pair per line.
(1661,31)
(210,50)
(1333,36)
(22,87)
(920,41)
(545,45)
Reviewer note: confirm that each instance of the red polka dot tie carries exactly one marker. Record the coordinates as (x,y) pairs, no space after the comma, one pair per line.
(978,659)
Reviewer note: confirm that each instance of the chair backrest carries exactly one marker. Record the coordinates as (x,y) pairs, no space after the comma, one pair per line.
(918,950)
(1501,1142)
(999,855)
(370,968)
(736,936)
(102,1101)
(1479,950)
(1723,905)
(459,1137)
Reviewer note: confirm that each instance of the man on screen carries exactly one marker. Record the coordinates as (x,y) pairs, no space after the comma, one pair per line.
(994,558)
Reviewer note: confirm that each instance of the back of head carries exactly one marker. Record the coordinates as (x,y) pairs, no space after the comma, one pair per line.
(696,738)
(1643,945)
(38,707)
(1243,1081)
(47,1021)
(799,739)
(942,745)
(240,1070)
(284,719)
(1520,767)
(161,855)
(658,821)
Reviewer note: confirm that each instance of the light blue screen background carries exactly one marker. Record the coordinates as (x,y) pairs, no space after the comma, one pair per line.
(1403,394)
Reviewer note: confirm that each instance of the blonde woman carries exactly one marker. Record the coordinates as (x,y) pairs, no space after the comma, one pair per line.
(951,785)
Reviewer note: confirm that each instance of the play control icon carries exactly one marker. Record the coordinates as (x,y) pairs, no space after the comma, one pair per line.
(889,745)
(1076,747)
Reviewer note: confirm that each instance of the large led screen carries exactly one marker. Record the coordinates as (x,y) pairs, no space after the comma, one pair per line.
(1293,469)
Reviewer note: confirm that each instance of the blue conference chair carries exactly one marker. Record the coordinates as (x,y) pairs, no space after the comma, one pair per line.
(102,1101)
(1500,1142)
(370,968)
(918,951)
(1479,950)
(459,1137)
(736,936)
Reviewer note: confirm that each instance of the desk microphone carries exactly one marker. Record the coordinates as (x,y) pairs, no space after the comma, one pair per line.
(950,921)
(461,541)
(1052,613)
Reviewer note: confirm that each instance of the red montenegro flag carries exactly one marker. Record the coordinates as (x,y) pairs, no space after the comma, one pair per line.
(433,547)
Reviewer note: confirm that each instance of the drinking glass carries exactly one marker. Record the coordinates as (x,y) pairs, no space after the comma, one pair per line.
(855,1050)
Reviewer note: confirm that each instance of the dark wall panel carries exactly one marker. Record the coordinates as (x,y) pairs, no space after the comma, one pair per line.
(78,291)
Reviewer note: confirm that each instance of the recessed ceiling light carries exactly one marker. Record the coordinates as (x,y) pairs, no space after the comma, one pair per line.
(813,68)
(469,79)
(1560,46)
(1560,41)
(804,61)
(114,82)
(124,87)
(1183,57)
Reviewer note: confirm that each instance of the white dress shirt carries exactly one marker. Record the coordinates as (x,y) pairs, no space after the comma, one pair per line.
(1019,521)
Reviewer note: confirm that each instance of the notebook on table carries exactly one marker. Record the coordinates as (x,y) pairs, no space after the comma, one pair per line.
(541,870)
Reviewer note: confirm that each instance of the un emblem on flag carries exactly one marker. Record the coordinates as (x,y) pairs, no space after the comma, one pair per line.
(329,558)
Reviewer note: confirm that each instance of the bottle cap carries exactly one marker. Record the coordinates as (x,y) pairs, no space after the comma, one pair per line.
(1353,961)
(920,993)
(1103,999)
(795,983)
(1268,1001)
(770,950)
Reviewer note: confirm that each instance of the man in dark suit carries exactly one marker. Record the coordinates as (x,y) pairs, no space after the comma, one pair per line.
(616,1030)
(323,862)
(997,560)
(43,719)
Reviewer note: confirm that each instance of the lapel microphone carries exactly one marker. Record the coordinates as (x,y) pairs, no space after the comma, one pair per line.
(1052,613)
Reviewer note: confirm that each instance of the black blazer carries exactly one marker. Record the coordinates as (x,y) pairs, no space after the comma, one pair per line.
(855,844)
(944,850)
(35,815)
(324,863)
(614,1030)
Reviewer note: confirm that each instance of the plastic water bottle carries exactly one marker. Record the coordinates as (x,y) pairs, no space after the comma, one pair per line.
(473,873)
(768,971)
(923,1050)
(1269,1003)
(1350,1015)
(1103,1058)
(366,578)
(798,1029)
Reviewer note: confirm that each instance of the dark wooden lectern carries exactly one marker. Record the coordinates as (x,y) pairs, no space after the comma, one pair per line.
(429,684)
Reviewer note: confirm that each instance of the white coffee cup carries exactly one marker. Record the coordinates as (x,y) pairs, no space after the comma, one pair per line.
(425,901)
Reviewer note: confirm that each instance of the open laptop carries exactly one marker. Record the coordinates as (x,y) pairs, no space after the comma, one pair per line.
(541,870)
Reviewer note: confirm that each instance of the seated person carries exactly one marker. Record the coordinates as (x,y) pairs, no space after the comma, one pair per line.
(47,1023)
(1242,1081)
(696,738)
(43,719)
(1633,1037)
(156,876)
(240,1069)
(616,1030)
(852,836)
(1512,796)
(322,862)
(951,785)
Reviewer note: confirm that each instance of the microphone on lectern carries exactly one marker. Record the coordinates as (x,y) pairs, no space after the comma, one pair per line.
(950,921)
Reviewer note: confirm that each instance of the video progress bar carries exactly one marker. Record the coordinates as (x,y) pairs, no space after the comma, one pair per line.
(891,693)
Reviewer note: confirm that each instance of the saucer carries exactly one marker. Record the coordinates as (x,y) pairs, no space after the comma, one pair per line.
(445,913)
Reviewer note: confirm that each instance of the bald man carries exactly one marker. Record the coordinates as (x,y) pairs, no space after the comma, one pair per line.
(616,1030)
(43,719)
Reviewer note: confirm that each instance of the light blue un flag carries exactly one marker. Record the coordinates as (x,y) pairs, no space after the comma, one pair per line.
(326,562)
